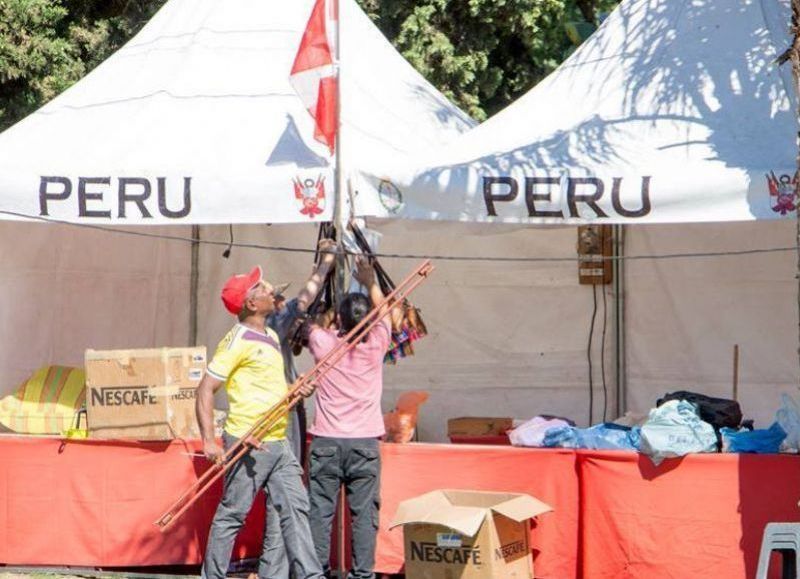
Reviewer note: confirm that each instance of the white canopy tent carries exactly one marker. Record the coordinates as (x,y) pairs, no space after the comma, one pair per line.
(674,111)
(194,121)
(506,339)
(673,114)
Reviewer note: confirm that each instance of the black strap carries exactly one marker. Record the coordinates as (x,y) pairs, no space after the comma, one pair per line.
(384,281)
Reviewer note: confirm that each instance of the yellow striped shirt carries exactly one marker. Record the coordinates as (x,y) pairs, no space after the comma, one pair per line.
(251,364)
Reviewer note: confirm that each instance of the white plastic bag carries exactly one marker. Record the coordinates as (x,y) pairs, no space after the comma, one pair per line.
(531,433)
(675,429)
(788,416)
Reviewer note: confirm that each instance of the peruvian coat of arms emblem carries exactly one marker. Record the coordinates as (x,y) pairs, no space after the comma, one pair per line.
(311,195)
(782,192)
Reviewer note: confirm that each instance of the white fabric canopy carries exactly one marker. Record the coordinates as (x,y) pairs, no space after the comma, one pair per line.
(673,111)
(505,338)
(194,121)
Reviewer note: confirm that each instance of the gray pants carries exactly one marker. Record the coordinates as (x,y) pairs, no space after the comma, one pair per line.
(274,468)
(274,564)
(355,463)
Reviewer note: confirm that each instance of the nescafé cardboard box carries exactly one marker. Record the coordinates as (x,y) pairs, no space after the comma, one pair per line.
(146,394)
(457,534)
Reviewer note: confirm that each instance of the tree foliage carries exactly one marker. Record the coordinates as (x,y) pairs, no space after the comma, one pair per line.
(482,54)
(47,45)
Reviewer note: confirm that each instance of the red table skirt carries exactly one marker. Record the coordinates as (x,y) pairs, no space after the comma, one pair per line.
(93,504)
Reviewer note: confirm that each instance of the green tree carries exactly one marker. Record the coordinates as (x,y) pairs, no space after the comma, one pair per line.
(47,45)
(483,54)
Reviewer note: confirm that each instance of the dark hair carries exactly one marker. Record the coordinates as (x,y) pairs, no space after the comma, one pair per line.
(352,310)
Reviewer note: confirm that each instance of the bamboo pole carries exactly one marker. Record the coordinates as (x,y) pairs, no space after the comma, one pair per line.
(793,54)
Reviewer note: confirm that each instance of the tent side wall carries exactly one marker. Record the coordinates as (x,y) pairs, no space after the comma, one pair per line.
(506,339)
(509,339)
(684,316)
(67,289)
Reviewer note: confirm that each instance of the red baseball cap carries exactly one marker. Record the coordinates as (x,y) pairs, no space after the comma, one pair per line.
(235,289)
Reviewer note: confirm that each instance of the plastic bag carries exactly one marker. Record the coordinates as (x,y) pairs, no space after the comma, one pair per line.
(606,436)
(532,432)
(401,422)
(788,417)
(675,429)
(631,419)
(718,412)
(758,441)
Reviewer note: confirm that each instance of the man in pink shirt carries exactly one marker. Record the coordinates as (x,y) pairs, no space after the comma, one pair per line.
(347,425)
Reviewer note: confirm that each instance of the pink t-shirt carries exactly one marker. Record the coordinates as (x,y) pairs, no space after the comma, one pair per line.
(348,403)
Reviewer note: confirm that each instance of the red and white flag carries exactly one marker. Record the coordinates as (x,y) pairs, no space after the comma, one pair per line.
(313,74)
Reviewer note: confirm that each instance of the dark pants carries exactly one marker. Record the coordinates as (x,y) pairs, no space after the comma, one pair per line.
(296,432)
(274,564)
(274,468)
(356,464)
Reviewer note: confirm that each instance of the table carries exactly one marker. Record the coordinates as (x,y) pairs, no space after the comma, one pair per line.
(93,503)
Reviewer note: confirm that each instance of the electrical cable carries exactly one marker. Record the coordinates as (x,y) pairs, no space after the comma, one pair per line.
(493,259)
(589,354)
(227,253)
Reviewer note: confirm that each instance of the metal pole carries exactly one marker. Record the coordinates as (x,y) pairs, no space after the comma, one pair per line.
(794,56)
(619,320)
(340,223)
(194,284)
(339,216)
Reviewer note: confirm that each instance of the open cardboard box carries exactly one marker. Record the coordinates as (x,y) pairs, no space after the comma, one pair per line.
(459,534)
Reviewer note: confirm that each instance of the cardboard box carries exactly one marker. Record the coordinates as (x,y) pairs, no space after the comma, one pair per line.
(143,394)
(452,534)
(479,426)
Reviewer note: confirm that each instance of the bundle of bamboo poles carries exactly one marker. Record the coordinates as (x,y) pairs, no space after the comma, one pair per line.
(253,436)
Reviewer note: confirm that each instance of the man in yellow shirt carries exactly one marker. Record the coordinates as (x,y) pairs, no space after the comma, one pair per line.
(249,363)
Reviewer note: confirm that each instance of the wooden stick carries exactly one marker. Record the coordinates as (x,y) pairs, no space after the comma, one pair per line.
(736,372)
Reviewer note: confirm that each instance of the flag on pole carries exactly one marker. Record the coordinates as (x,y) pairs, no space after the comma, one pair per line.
(313,73)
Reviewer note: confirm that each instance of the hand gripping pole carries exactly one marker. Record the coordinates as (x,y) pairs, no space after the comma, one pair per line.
(253,436)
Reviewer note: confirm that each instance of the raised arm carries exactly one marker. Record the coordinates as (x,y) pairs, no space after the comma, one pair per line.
(313,285)
(365,275)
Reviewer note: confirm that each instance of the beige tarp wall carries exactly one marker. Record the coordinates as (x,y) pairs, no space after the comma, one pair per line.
(509,339)
(685,316)
(506,338)
(64,289)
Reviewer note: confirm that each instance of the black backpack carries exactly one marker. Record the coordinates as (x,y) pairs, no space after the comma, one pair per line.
(718,412)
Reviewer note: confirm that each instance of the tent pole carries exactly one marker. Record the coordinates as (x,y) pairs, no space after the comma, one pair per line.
(339,205)
(794,55)
(619,320)
(341,259)
(193,285)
